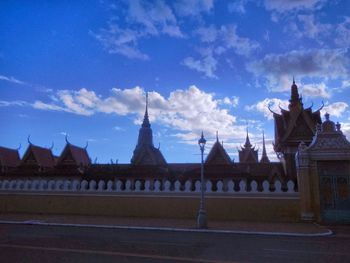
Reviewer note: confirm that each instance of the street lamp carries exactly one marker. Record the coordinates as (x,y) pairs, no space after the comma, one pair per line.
(202,214)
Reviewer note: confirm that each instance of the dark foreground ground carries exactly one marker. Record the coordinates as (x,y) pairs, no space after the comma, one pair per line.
(35,243)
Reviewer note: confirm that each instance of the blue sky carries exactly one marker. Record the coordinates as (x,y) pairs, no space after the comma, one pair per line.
(82,68)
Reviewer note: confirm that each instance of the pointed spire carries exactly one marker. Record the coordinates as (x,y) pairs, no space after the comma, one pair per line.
(295,99)
(264,158)
(146,123)
(247,141)
(217,136)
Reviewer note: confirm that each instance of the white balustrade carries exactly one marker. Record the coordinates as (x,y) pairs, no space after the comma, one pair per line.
(101,185)
(59,185)
(254,187)
(76,185)
(167,186)
(222,187)
(278,186)
(51,185)
(13,184)
(118,186)
(128,185)
(177,186)
(197,186)
(147,185)
(138,186)
(219,187)
(290,185)
(188,186)
(109,186)
(43,185)
(208,187)
(231,187)
(27,185)
(242,186)
(84,185)
(266,186)
(92,185)
(157,185)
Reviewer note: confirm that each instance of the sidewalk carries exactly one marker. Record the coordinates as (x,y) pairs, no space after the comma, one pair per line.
(263,228)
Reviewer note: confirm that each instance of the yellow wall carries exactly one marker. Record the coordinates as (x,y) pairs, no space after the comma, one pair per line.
(250,208)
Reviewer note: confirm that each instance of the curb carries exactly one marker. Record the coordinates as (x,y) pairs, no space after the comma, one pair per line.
(264,233)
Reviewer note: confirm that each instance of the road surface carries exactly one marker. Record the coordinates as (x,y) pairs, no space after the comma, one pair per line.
(35,243)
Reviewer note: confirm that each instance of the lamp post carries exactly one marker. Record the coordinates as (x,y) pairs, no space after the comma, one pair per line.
(202,214)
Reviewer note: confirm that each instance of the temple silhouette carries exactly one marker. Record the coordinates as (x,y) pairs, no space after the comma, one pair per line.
(292,126)
(313,169)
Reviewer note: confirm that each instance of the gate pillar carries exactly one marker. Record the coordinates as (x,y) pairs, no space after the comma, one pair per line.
(328,154)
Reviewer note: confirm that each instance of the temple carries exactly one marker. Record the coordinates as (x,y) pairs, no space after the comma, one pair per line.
(291,127)
(145,153)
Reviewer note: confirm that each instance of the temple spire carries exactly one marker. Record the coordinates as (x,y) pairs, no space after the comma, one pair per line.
(264,158)
(295,99)
(146,123)
(217,136)
(247,143)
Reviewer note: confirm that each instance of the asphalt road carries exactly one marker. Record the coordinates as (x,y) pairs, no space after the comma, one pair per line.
(33,243)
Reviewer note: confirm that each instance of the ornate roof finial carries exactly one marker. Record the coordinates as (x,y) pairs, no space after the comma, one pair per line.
(87,144)
(327,116)
(247,141)
(293,80)
(66,138)
(217,136)
(146,122)
(264,158)
(28,139)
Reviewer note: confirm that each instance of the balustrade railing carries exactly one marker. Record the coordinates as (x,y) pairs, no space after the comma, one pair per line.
(149,186)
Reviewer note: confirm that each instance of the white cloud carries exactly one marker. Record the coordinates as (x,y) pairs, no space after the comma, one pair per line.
(319,63)
(263,106)
(206,65)
(121,41)
(143,19)
(237,6)
(316,90)
(187,112)
(218,41)
(207,34)
(281,6)
(12,80)
(20,103)
(343,33)
(155,17)
(193,7)
(335,109)
(241,45)
(313,29)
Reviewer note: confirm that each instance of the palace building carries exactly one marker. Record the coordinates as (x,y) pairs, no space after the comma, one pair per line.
(291,127)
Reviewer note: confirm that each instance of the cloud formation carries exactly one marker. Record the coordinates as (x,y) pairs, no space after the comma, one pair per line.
(187,111)
(12,80)
(263,106)
(317,63)
(282,6)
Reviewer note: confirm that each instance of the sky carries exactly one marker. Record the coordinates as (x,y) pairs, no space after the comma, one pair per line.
(82,69)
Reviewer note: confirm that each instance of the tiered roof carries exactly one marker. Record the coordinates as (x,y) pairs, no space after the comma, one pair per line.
(247,153)
(296,124)
(145,153)
(217,154)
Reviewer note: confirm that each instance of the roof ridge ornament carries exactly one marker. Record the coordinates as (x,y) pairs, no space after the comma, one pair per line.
(28,140)
(66,138)
(87,144)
